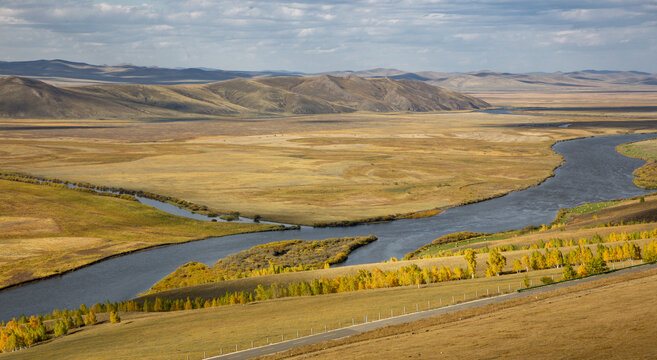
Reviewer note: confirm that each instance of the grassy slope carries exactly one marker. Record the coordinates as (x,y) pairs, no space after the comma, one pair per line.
(646,175)
(47,230)
(28,98)
(612,319)
(174,335)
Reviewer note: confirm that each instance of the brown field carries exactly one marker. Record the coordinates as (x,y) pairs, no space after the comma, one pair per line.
(47,230)
(311,168)
(613,319)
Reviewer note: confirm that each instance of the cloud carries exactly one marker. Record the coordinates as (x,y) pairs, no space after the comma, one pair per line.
(307,35)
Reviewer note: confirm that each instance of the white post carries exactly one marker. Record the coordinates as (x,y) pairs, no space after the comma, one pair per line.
(486,292)
(235,347)
(463,296)
(282,337)
(311,331)
(510,286)
(267,340)
(428,304)
(417,307)
(251,344)
(498,289)
(452,299)
(325,329)
(404,309)
(353,322)
(379,315)
(297,334)
(221,350)
(366,318)
(441,301)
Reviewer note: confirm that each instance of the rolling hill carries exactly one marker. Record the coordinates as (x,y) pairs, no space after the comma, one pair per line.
(29,98)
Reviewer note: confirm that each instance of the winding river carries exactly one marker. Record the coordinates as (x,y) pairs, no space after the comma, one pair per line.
(593,171)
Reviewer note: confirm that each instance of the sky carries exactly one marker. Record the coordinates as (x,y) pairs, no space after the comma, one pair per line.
(319,36)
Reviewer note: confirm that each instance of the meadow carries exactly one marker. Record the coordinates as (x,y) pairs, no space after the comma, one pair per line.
(307,169)
(611,318)
(47,230)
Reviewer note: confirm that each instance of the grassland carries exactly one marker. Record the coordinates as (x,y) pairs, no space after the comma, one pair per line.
(307,169)
(175,335)
(612,318)
(271,258)
(47,230)
(646,175)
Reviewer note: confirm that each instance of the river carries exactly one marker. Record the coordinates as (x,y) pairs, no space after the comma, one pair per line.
(593,172)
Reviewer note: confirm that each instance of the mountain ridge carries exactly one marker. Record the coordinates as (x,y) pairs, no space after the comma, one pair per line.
(29,98)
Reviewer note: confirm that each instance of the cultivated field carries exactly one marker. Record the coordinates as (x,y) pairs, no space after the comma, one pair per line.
(47,230)
(312,168)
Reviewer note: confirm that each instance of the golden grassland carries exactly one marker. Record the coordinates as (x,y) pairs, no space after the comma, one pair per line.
(312,168)
(611,318)
(174,335)
(568,98)
(646,175)
(47,230)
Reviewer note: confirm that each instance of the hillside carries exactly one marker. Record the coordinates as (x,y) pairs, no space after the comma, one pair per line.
(485,80)
(29,98)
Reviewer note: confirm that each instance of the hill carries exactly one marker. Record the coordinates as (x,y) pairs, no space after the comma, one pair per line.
(28,98)
(75,72)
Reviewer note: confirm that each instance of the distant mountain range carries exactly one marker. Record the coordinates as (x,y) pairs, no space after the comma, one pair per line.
(66,72)
(22,97)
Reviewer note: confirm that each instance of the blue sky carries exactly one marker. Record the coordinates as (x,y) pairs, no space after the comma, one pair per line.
(313,36)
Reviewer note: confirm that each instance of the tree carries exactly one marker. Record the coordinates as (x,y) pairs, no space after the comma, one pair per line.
(90,318)
(496,263)
(61,328)
(517,266)
(114,317)
(568,272)
(471,258)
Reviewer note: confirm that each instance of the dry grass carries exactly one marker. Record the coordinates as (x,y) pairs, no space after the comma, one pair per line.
(46,230)
(612,319)
(304,169)
(175,335)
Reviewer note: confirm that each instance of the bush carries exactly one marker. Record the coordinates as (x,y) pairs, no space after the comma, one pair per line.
(547,280)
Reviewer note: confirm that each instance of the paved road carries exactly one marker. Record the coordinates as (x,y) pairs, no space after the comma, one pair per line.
(356,329)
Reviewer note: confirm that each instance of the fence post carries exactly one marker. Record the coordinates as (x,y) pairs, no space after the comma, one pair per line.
(282,337)
(353,322)
(452,299)
(221,350)
(498,289)
(297,334)
(510,286)
(417,307)
(252,344)
(486,291)
(463,296)
(366,318)
(428,304)
(235,347)
(324,327)
(379,315)
(404,309)
(267,340)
